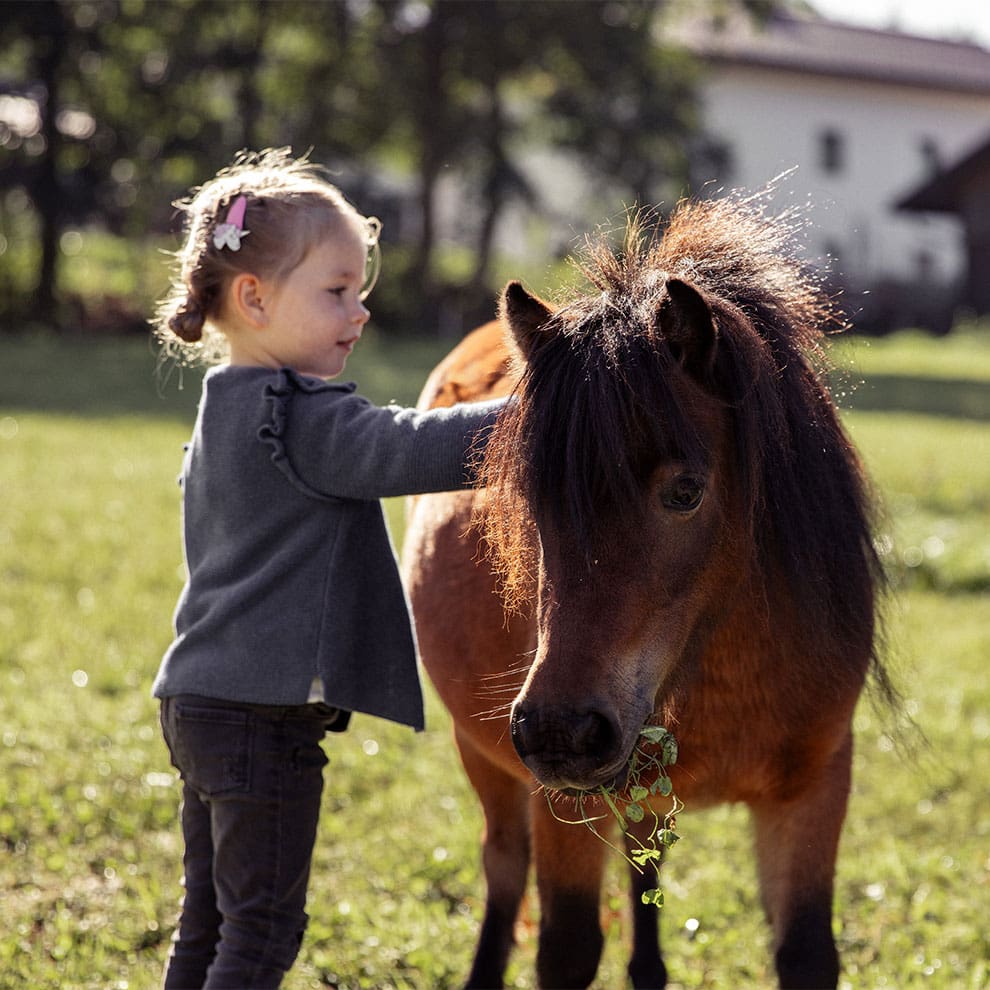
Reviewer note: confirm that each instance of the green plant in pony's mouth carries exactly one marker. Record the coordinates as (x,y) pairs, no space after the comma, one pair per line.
(632,804)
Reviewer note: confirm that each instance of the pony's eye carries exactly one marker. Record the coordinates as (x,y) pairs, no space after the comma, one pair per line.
(684,494)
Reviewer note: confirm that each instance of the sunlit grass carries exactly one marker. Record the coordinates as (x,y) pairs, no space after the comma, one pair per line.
(90,853)
(910,353)
(933,474)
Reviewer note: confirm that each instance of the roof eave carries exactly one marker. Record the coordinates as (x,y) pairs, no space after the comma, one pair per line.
(854,73)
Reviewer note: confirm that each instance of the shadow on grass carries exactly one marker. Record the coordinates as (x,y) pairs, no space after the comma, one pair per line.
(123,376)
(93,378)
(100,377)
(958,398)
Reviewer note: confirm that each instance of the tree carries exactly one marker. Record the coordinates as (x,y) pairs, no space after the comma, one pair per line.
(140,99)
(621,100)
(135,97)
(459,78)
(43,181)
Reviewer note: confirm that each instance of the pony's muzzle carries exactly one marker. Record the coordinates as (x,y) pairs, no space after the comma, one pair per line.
(567,748)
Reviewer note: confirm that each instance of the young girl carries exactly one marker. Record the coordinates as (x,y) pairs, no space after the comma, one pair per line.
(293,615)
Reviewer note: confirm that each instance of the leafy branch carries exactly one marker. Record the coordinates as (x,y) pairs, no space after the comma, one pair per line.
(634,803)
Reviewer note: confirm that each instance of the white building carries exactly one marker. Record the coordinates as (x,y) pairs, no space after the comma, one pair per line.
(867,117)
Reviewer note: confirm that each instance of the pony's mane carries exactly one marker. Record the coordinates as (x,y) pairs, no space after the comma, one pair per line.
(598,405)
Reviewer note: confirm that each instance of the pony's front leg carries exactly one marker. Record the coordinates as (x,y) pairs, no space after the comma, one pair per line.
(797,843)
(570,861)
(646,968)
(505,859)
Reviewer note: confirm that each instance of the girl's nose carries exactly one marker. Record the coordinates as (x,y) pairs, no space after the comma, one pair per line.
(362,314)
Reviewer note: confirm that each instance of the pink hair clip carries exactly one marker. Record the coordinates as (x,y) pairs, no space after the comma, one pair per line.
(229,233)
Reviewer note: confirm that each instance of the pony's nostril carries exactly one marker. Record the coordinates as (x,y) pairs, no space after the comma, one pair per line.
(525,733)
(592,734)
(562,733)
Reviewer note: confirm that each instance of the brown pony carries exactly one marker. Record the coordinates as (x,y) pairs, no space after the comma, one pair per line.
(683,531)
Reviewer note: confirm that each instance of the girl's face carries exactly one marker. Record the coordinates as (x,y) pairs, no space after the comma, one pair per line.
(315,313)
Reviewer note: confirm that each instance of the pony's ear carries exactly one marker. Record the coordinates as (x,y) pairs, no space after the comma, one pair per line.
(688,325)
(525,315)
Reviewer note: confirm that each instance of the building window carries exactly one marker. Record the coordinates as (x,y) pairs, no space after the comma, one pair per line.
(712,160)
(924,266)
(832,151)
(930,157)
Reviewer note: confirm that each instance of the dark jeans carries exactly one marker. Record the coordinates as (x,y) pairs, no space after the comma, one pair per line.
(252,781)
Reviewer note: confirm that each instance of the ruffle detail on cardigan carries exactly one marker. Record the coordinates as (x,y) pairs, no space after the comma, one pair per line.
(279,396)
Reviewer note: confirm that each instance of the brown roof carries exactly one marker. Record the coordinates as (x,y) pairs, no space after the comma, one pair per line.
(809,44)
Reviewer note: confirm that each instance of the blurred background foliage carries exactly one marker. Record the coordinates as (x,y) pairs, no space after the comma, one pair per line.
(112,109)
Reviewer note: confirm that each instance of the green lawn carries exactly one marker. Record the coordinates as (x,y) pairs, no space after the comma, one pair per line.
(90,445)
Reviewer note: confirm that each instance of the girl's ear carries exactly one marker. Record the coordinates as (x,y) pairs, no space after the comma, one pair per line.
(245,298)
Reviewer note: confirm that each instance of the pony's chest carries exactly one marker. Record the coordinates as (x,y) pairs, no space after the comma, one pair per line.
(748,737)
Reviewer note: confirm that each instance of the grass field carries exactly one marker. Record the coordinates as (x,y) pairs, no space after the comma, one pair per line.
(90,445)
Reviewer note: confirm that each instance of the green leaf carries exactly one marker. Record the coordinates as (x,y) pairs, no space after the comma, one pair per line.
(638,793)
(668,750)
(654,897)
(659,736)
(642,856)
(654,733)
(663,786)
(634,813)
(613,807)
(668,836)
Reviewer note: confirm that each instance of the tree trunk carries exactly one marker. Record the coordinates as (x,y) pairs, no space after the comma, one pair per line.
(249,99)
(430,164)
(46,187)
(494,194)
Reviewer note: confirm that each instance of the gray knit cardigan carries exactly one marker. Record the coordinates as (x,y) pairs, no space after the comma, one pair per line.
(291,572)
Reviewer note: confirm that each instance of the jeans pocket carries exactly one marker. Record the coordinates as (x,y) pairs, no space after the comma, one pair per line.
(211,747)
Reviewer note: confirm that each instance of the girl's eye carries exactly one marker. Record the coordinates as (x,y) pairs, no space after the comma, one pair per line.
(684,494)
(338,291)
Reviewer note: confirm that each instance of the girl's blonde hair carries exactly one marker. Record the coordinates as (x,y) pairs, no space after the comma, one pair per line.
(290,208)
